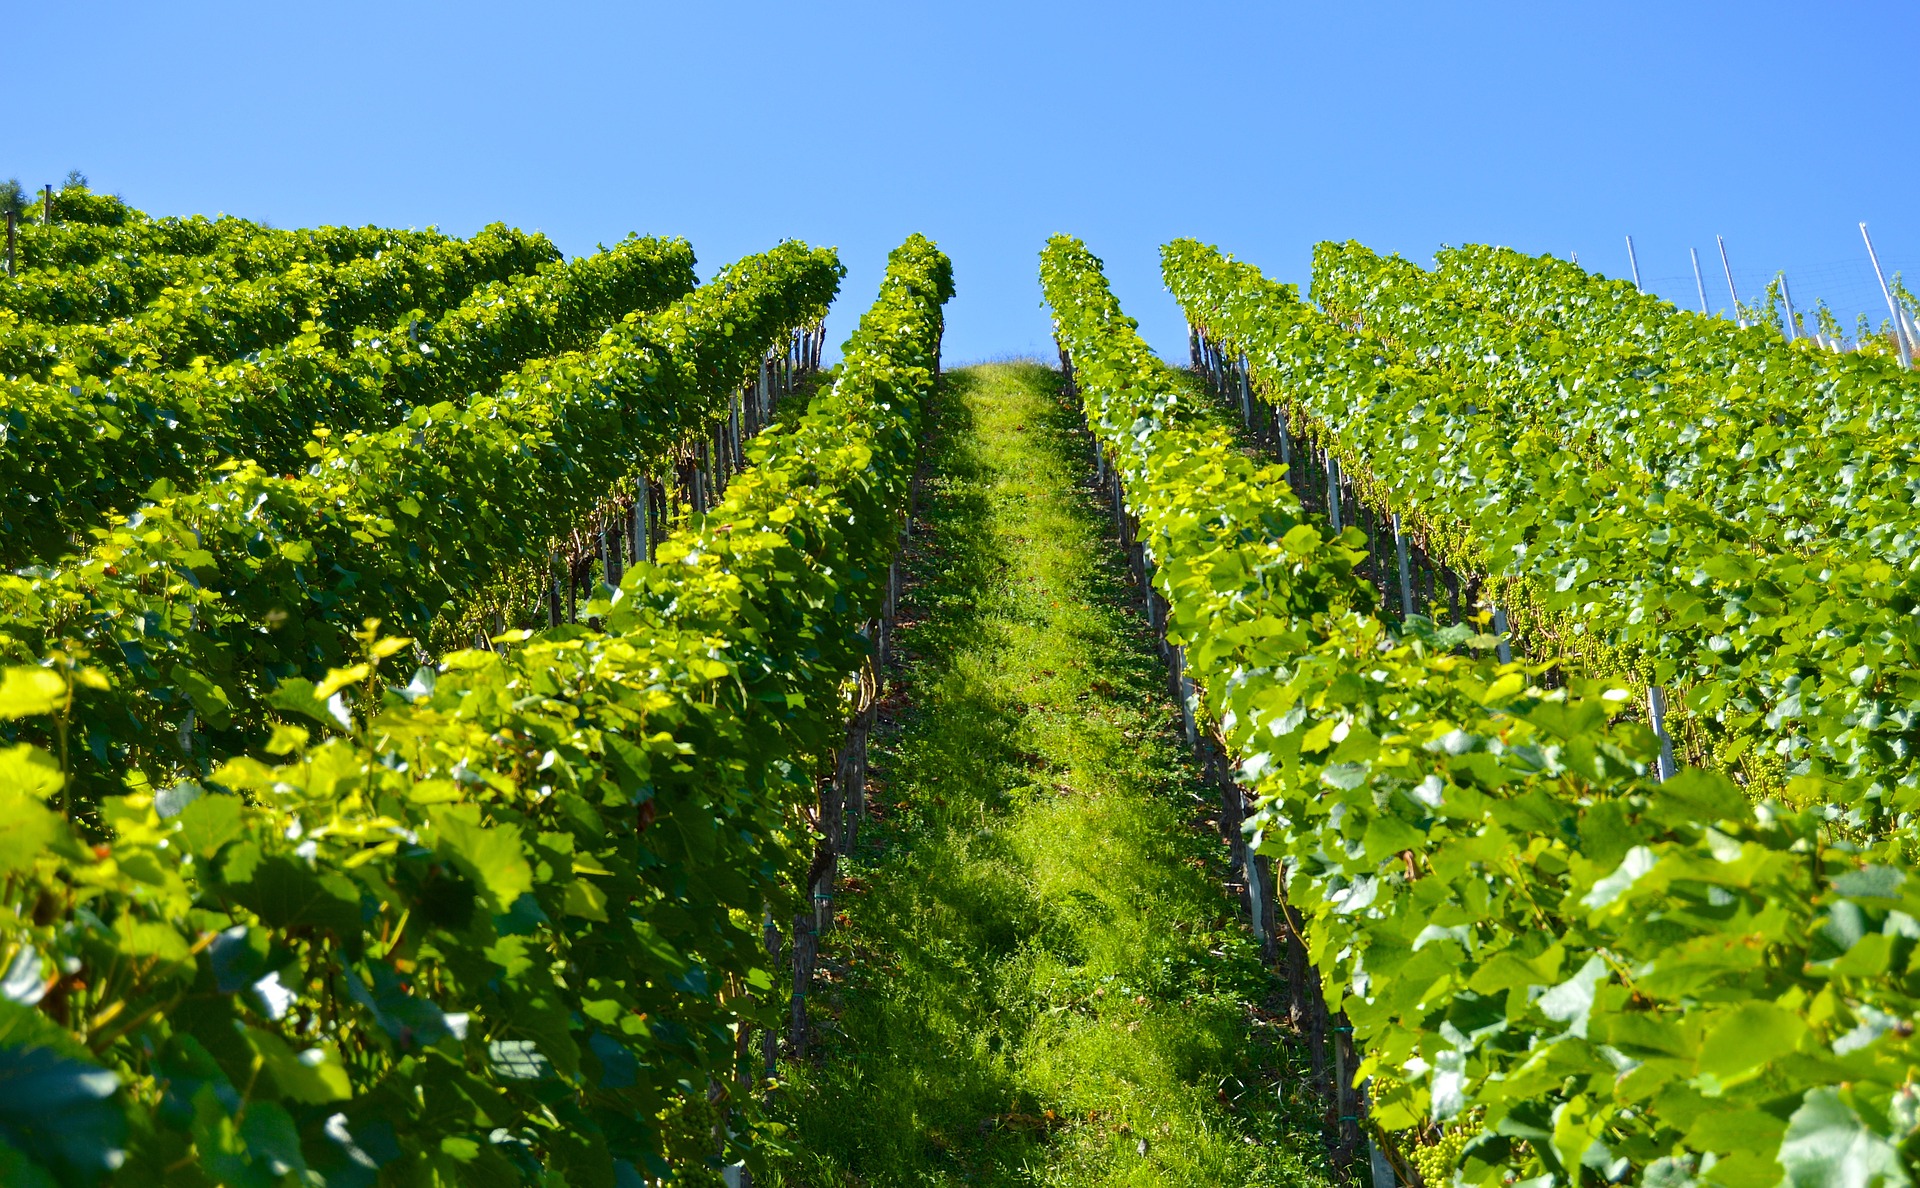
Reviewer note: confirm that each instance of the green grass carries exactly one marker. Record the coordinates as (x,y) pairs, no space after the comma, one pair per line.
(1040,980)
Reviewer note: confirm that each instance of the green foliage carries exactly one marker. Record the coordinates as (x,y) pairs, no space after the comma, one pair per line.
(74,273)
(1435,1161)
(1038,969)
(213,310)
(83,448)
(258,578)
(1828,323)
(1522,453)
(498,924)
(73,202)
(1631,980)
(1904,295)
(169,242)
(1798,446)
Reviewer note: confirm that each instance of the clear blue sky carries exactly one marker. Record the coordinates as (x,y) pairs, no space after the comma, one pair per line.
(988,125)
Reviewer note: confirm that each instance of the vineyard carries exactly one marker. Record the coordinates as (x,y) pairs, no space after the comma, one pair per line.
(475,716)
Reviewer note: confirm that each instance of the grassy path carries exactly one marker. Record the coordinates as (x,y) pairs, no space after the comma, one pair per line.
(1039,980)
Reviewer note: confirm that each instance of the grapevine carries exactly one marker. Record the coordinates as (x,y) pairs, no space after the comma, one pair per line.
(313,950)
(1626,976)
(84,448)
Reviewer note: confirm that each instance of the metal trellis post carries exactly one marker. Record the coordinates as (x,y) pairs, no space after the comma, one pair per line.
(1893,307)
(1657,713)
(1728,268)
(1406,570)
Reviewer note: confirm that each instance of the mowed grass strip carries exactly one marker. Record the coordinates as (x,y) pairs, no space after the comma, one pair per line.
(1038,978)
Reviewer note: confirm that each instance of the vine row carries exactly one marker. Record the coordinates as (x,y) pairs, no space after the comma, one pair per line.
(1555,966)
(225,321)
(1789,671)
(499,923)
(68,273)
(84,448)
(205,608)
(1802,449)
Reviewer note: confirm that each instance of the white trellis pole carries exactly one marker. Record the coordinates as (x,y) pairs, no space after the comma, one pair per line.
(1333,490)
(1735,293)
(1657,713)
(1893,307)
(1633,262)
(1184,684)
(1406,571)
(642,534)
(1786,298)
(1246,391)
(1384,1175)
(1256,898)
(1699,283)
